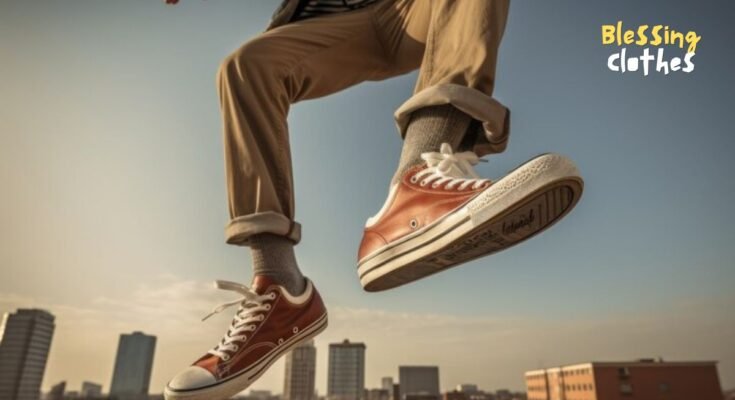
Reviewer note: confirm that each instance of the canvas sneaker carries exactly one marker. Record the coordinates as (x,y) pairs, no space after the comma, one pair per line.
(269,322)
(441,214)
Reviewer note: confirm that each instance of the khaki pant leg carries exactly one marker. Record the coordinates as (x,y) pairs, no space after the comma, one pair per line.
(256,86)
(455,44)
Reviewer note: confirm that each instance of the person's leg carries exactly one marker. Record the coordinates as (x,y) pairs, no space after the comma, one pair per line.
(274,256)
(427,129)
(439,212)
(460,41)
(257,84)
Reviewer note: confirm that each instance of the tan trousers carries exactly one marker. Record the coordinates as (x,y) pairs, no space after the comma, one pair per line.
(453,42)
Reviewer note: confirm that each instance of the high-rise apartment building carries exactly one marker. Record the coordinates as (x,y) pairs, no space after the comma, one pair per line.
(636,380)
(25,340)
(133,364)
(346,371)
(300,372)
(419,381)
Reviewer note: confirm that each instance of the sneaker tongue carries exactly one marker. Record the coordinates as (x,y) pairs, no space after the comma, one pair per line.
(261,283)
(453,171)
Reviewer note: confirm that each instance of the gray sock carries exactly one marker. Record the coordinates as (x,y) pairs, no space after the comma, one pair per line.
(273,256)
(428,128)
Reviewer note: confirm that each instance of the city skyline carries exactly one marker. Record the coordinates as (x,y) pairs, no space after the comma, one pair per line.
(136,351)
(114,195)
(278,373)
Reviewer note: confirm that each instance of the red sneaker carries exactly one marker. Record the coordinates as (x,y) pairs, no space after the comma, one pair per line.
(442,214)
(268,323)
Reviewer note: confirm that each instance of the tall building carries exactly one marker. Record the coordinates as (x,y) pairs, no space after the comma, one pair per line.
(300,373)
(635,380)
(25,340)
(346,376)
(133,363)
(91,390)
(418,381)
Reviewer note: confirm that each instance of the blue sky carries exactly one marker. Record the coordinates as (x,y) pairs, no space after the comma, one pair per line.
(112,177)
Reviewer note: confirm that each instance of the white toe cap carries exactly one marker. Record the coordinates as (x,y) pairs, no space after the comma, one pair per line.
(192,378)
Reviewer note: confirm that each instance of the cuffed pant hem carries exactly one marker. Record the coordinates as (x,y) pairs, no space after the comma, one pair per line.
(494,116)
(240,229)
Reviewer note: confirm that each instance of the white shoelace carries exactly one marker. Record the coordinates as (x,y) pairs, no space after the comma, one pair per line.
(249,314)
(450,169)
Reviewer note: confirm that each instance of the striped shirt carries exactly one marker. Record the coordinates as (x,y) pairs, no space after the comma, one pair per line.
(315,8)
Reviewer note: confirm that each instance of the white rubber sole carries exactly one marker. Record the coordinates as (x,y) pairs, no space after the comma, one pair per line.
(237,383)
(525,202)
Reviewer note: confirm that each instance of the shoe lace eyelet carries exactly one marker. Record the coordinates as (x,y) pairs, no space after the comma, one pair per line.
(413,223)
(235,348)
(225,357)
(267,307)
(434,185)
(295,329)
(414,179)
(272,296)
(423,183)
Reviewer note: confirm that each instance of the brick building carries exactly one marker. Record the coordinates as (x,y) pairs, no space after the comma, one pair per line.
(637,380)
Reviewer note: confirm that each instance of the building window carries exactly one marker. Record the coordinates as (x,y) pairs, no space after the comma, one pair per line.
(626,388)
(623,372)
